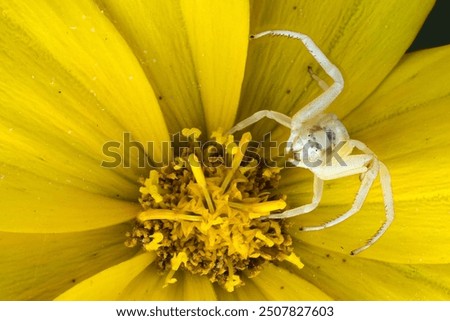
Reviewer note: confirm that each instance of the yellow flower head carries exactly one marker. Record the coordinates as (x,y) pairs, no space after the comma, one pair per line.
(86,84)
(205,216)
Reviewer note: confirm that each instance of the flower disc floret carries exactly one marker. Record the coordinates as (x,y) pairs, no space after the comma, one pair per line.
(209,219)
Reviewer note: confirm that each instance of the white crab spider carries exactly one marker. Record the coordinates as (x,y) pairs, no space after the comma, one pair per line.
(314,134)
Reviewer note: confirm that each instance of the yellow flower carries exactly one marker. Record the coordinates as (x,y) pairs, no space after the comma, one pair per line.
(78,74)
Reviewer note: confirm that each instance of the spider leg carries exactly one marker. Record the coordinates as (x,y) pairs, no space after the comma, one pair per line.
(386,187)
(315,107)
(366,184)
(322,84)
(304,209)
(278,117)
(319,104)
(376,168)
(385,180)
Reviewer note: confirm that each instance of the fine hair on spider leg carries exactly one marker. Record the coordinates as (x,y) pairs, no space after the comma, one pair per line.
(310,127)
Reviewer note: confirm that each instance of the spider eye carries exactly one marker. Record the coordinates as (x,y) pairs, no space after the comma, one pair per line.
(315,146)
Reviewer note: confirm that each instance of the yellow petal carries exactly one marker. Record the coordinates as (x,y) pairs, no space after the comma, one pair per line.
(274,283)
(155,32)
(109,284)
(197,288)
(364,39)
(249,292)
(32,204)
(403,122)
(73,84)
(409,111)
(33,150)
(218,35)
(277,283)
(418,86)
(297,183)
(42,266)
(223,295)
(149,285)
(355,278)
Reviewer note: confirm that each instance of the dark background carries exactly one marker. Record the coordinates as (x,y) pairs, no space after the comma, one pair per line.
(436,29)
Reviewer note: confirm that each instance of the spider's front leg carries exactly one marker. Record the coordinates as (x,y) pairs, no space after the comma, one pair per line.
(278,117)
(315,107)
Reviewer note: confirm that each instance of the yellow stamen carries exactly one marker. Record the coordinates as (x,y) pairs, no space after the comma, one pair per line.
(211,218)
(179,163)
(159,214)
(222,139)
(259,209)
(191,132)
(155,243)
(231,150)
(200,179)
(152,186)
(243,143)
(218,136)
(176,261)
(294,259)
(232,279)
(264,238)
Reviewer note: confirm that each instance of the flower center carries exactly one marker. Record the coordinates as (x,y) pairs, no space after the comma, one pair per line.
(206,212)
